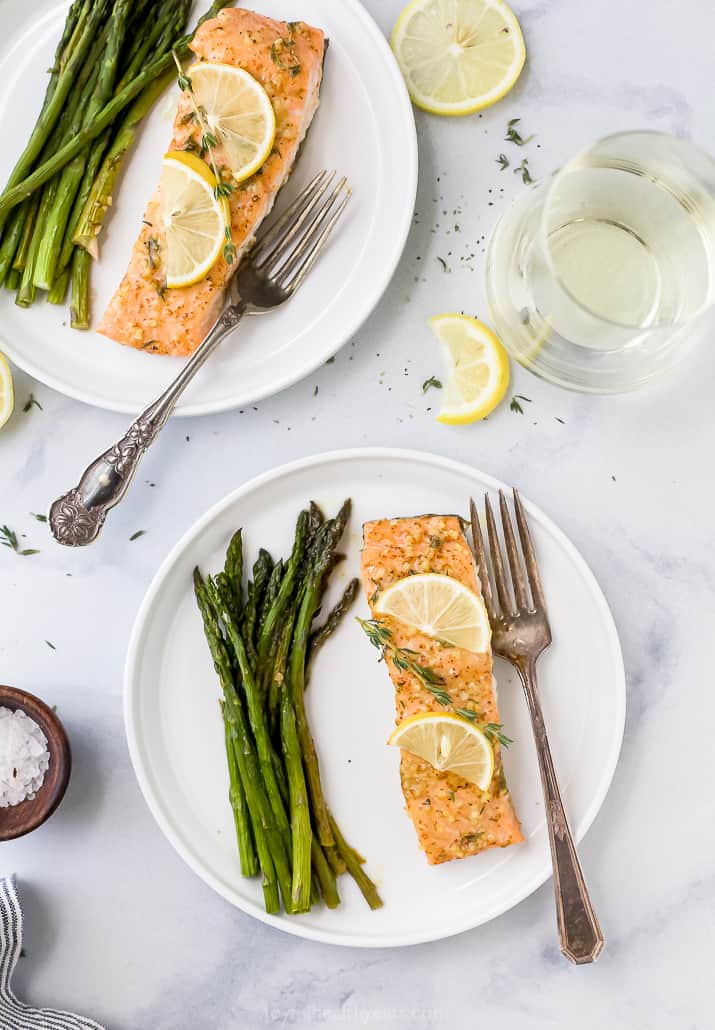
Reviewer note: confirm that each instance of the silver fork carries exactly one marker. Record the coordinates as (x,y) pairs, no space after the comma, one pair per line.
(520,632)
(267,276)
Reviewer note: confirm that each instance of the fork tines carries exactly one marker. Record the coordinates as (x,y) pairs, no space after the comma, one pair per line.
(512,596)
(287,250)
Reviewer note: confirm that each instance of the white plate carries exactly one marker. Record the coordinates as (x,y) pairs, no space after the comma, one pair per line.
(175,735)
(364,128)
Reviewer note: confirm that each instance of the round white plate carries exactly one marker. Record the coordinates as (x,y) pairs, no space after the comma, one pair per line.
(175,734)
(364,128)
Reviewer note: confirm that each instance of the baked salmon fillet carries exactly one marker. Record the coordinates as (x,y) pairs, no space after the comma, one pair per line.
(287,59)
(453,818)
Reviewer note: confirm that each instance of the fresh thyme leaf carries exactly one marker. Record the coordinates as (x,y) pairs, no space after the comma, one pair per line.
(40,518)
(503,161)
(153,248)
(377,633)
(50,644)
(513,135)
(32,402)
(515,406)
(284,56)
(229,250)
(493,732)
(208,140)
(27,551)
(185,83)
(432,381)
(523,168)
(224,189)
(8,537)
(330,361)
(135,536)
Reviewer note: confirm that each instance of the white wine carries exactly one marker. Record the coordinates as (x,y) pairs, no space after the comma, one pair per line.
(626,248)
(596,276)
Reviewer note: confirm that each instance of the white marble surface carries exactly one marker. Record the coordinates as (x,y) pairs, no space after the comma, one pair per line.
(117,925)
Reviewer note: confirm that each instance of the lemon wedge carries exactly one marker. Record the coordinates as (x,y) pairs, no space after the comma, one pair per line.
(238,112)
(458,56)
(478,368)
(448,742)
(195,220)
(7,394)
(438,606)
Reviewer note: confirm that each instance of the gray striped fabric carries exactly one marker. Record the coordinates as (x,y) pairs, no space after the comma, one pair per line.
(14,1015)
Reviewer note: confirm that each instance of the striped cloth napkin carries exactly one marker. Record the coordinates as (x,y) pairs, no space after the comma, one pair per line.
(14,1015)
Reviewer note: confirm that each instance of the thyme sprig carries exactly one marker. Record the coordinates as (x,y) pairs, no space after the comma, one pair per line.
(8,538)
(208,142)
(513,135)
(380,636)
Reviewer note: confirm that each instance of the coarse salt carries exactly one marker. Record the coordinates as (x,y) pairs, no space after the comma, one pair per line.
(24,758)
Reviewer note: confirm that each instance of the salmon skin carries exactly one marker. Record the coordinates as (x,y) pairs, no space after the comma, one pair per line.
(452,817)
(287,59)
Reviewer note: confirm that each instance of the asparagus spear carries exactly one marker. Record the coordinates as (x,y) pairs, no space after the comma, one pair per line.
(292,571)
(22,185)
(11,238)
(256,715)
(239,805)
(71,177)
(301,833)
(27,232)
(58,292)
(270,595)
(328,538)
(324,874)
(352,861)
(262,568)
(275,678)
(266,836)
(335,617)
(79,303)
(89,19)
(12,279)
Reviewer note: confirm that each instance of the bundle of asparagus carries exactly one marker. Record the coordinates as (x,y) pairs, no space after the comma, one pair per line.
(262,642)
(112,62)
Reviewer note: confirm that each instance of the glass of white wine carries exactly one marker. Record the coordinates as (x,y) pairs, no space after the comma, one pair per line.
(603,276)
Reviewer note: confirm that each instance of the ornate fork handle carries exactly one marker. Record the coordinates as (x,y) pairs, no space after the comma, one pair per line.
(77,517)
(579,932)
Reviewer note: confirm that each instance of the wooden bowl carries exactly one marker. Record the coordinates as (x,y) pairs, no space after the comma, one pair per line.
(17,820)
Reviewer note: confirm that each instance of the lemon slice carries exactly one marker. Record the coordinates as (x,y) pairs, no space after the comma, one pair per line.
(7,394)
(195,220)
(478,368)
(440,607)
(458,56)
(238,112)
(449,743)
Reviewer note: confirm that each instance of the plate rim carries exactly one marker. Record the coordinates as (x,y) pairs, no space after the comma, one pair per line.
(133,655)
(363,311)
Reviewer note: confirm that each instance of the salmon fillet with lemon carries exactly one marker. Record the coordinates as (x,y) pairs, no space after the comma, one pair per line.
(287,60)
(453,818)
